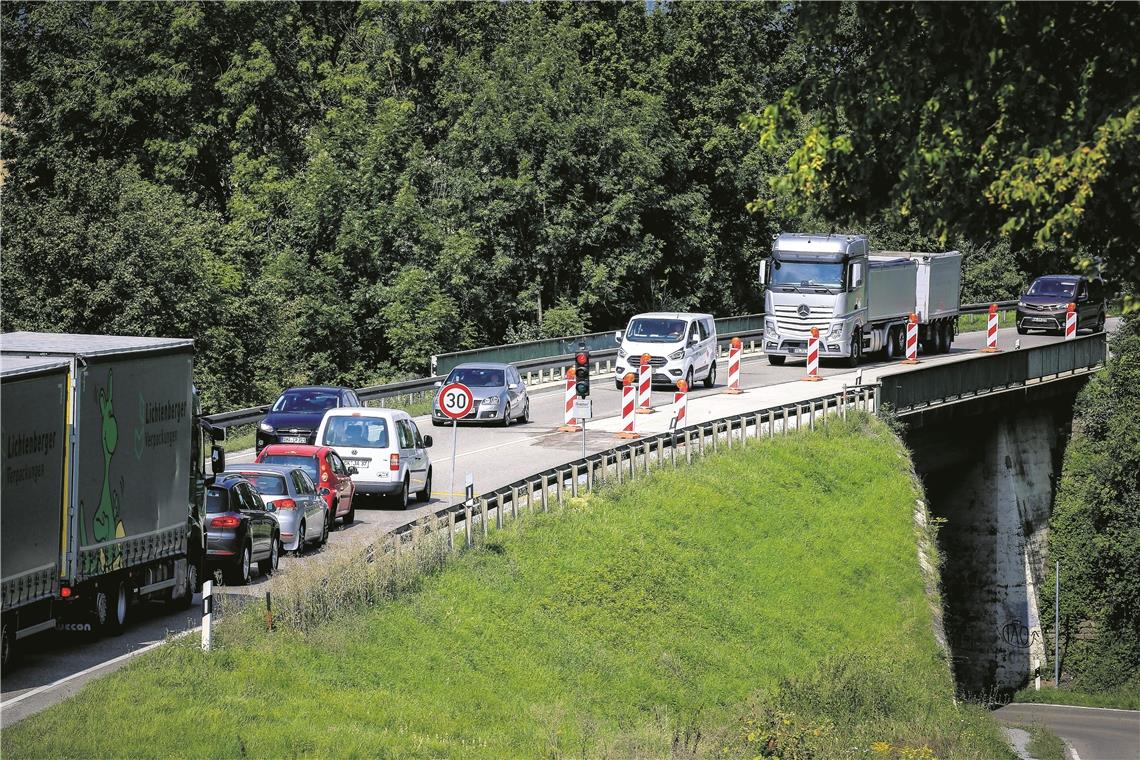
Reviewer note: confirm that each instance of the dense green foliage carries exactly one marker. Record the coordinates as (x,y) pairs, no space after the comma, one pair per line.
(332,192)
(720,610)
(1095,528)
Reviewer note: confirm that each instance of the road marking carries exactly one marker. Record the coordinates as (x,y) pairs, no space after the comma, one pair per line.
(93,668)
(1078,707)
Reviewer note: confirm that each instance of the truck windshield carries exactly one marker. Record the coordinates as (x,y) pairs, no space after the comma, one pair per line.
(815,274)
(647,330)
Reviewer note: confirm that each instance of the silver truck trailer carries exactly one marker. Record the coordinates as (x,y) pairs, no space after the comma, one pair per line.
(859,300)
(125,517)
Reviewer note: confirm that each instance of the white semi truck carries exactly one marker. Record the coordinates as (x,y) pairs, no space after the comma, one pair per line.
(858,299)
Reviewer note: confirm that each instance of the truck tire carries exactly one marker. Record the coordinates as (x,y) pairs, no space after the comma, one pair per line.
(856,348)
(111,609)
(890,347)
(776,360)
(7,645)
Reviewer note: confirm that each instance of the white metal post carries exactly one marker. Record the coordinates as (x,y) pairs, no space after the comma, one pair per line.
(207,613)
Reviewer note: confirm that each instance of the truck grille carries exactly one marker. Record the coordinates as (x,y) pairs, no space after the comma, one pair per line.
(791,324)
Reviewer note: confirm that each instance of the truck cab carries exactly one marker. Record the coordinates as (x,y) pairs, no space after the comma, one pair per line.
(815,281)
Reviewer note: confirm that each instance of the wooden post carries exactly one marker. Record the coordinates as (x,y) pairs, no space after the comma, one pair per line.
(618,467)
(574,480)
(811,414)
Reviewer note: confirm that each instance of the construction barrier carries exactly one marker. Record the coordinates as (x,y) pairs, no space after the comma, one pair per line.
(681,404)
(991,331)
(813,357)
(1071,322)
(644,386)
(734,367)
(627,409)
(911,340)
(571,425)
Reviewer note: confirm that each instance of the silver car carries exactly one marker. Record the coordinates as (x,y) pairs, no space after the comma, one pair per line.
(289,493)
(500,394)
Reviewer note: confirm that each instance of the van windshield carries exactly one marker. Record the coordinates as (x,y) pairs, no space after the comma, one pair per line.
(366,432)
(656,330)
(1058,288)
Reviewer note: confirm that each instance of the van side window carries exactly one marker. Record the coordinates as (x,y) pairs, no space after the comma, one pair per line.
(419,438)
(703,329)
(407,440)
(710,325)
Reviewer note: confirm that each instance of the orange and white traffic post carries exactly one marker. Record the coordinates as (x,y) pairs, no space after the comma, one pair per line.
(644,386)
(911,340)
(571,424)
(734,367)
(627,409)
(681,403)
(991,331)
(813,357)
(1071,321)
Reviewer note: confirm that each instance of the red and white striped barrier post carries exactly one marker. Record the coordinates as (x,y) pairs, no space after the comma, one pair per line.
(644,386)
(991,331)
(1071,322)
(627,408)
(734,367)
(813,357)
(680,404)
(911,340)
(571,425)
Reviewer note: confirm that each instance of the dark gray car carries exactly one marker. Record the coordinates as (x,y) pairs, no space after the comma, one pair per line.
(500,394)
(239,529)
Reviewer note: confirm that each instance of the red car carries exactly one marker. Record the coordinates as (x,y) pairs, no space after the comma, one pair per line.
(327,470)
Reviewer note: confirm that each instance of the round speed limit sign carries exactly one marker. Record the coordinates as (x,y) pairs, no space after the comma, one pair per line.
(456,400)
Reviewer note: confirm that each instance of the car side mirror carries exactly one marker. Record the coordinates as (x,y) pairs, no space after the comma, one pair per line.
(438,383)
(694,339)
(513,386)
(325,491)
(352,470)
(270,506)
(427,441)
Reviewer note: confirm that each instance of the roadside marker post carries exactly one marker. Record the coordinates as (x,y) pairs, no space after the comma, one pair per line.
(571,421)
(627,409)
(991,331)
(645,386)
(207,614)
(1071,322)
(813,357)
(455,400)
(734,367)
(911,340)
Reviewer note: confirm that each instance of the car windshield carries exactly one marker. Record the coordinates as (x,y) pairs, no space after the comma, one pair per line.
(266,485)
(656,330)
(217,500)
(813,274)
(1055,288)
(308,464)
(477,377)
(306,401)
(366,432)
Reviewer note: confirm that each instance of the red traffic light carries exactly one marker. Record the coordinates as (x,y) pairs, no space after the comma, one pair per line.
(582,359)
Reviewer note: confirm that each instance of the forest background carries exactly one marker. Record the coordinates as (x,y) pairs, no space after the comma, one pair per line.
(332,192)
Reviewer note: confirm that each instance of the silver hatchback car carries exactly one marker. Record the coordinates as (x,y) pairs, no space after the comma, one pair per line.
(289,493)
(500,394)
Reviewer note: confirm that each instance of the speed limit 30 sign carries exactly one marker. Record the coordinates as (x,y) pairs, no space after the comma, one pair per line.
(456,400)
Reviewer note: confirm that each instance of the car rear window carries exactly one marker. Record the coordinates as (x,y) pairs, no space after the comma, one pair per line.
(366,432)
(308,464)
(267,485)
(217,500)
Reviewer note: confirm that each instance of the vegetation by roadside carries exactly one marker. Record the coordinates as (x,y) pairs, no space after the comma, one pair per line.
(759,603)
(973,322)
(1044,744)
(1121,697)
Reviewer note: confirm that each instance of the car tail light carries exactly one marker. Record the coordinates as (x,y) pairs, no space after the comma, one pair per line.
(227,521)
(394,462)
(285,504)
(65,592)
(324,471)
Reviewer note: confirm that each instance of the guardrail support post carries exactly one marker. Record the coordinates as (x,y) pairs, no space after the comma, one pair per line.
(688,448)
(483,515)
(589,475)
(467,516)
(544,498)
(558,487)
(450,531)
(811,415)
(574,480)
(499,512)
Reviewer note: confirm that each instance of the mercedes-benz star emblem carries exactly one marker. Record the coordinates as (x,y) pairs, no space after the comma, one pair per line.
(803,311)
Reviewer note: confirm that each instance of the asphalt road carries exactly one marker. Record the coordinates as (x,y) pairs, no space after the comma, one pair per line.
(496,456)
(1093,733)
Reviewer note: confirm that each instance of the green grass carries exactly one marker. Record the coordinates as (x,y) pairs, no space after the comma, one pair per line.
(1123,697)
(1044,744)
(760,601)
(974,322)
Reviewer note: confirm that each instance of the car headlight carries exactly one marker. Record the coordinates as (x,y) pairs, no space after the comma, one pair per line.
(490,401)
(265,427)
(1021,304)
(622,353)
(678,354)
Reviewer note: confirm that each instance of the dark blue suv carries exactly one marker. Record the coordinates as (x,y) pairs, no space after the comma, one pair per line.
(297,412)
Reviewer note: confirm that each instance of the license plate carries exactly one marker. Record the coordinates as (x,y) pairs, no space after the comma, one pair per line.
(798,350)
(357,463)
(293,439)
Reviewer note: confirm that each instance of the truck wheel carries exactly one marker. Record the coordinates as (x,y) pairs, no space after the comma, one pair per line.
(116,607)
(890,348)
(856,348)
(7,643)
(776,360)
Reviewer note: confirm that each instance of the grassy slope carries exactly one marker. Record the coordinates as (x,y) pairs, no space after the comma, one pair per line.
(770,594)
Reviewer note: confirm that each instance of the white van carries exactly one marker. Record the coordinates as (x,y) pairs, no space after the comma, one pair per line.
(385,447)
(680,347)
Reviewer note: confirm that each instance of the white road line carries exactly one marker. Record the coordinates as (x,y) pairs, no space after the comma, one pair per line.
(1080,707)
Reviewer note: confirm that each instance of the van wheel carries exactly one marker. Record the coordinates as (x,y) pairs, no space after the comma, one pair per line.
(425,494)
(404,492)
(689,379)
(776,360)
(710,381)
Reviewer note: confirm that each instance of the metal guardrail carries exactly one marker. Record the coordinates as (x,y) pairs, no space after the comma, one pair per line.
(924,388)
(601,346)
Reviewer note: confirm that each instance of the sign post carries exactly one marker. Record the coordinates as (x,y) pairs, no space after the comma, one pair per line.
(455,400)
(583,410)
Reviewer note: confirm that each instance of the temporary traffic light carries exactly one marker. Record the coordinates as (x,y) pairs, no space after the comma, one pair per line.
(582,372)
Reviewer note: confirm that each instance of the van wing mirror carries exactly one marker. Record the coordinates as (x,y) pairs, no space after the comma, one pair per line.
(427,441)
(617,336)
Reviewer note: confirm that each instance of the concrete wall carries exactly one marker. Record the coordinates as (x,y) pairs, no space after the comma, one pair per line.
(991,477)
